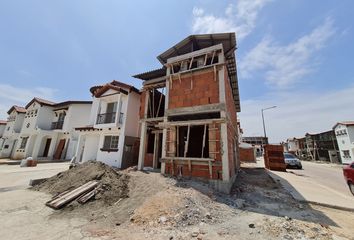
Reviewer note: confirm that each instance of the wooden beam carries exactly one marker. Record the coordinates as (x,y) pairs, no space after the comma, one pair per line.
(186,144)
(57,203)
(158,109)
(204,135)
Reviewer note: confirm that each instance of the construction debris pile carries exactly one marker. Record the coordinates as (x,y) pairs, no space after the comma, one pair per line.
(130,203)
(88,181)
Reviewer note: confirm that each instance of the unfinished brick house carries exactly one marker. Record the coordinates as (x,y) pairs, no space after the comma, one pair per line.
(188,111)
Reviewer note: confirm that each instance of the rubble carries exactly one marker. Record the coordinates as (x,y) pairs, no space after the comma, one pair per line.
(187,209)
(112,185)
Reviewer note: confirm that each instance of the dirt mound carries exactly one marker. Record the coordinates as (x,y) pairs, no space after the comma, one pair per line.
(113,185)
(179,206)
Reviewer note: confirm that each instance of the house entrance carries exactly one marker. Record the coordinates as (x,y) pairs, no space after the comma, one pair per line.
(46,148)
(60,149)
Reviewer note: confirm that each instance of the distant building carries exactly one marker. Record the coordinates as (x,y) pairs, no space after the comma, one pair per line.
(322,146)
(255,140)
(344,132)
(2,130)
(293,145)
(12,131)
(257,143)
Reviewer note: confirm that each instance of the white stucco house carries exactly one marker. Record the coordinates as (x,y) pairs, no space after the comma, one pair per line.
(345,137)
(111,134)
(2,130)
(48,129)
(12,131)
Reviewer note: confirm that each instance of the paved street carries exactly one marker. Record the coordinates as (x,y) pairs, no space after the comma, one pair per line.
(13,176)
(321,183)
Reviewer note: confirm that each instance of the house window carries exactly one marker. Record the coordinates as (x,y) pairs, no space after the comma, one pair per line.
(24,143)
(346,154)
(111,107)
(110,143)
(61,117)
(195,146)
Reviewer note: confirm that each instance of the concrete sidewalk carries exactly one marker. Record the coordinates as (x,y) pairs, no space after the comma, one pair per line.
(307,190)
(310,190)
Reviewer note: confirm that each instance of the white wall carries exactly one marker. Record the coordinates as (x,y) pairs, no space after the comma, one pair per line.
(345,142)
(91,147)
(131,115)
(2,129)
(45,114)
(30,120)
(14,126)
(110,158)
(94,111)
(77,116)
(293,145)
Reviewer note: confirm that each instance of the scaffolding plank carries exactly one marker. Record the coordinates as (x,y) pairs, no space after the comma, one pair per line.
(57,203)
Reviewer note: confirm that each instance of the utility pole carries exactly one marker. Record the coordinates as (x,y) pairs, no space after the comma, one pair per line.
(264,129)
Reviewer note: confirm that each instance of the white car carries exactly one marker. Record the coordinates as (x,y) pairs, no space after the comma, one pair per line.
(292,161)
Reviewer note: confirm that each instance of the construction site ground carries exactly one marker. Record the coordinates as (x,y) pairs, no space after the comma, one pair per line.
(147,205)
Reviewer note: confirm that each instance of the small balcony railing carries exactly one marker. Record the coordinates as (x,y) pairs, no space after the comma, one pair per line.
(105,118)
(57,125)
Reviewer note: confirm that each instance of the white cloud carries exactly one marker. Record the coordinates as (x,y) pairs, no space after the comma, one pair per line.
(10,95)
(240,18)
(285,65)
(297,113)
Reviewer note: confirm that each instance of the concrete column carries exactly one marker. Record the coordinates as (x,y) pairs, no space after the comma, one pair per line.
(163,155)
(36,146)
(53,145)
(156,153)
(224,153)
(142,145)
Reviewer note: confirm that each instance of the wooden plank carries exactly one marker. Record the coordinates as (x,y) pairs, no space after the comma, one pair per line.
(186,144)
(72,195)
(87,196)
(188,158)
(204,135)
(158,109)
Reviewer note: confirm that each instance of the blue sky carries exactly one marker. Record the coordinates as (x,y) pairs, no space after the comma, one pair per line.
(295,54)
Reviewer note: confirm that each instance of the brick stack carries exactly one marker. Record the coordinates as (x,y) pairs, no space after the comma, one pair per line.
(274,157)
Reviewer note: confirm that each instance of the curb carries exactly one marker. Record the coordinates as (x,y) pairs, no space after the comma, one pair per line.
(275,178)
(38,162)
(326,205)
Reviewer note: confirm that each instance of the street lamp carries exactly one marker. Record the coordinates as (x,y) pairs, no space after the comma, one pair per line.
(264,130)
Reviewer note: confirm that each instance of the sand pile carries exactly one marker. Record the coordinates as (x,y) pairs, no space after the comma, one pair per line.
(113,185)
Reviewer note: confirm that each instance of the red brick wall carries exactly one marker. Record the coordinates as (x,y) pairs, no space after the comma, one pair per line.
(142,104)
(197,171)
(247,155)
(205,90)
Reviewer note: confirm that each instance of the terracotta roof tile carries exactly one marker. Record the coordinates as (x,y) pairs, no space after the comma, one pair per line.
(17,109)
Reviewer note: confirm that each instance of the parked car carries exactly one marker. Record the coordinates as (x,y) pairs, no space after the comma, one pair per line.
(348,172)
(292,161)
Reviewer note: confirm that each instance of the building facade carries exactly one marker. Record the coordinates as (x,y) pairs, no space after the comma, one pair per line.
(12,131)
(111,133)
(188,111)
(2,130)
(48,129)
(344,132)
(322,146)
